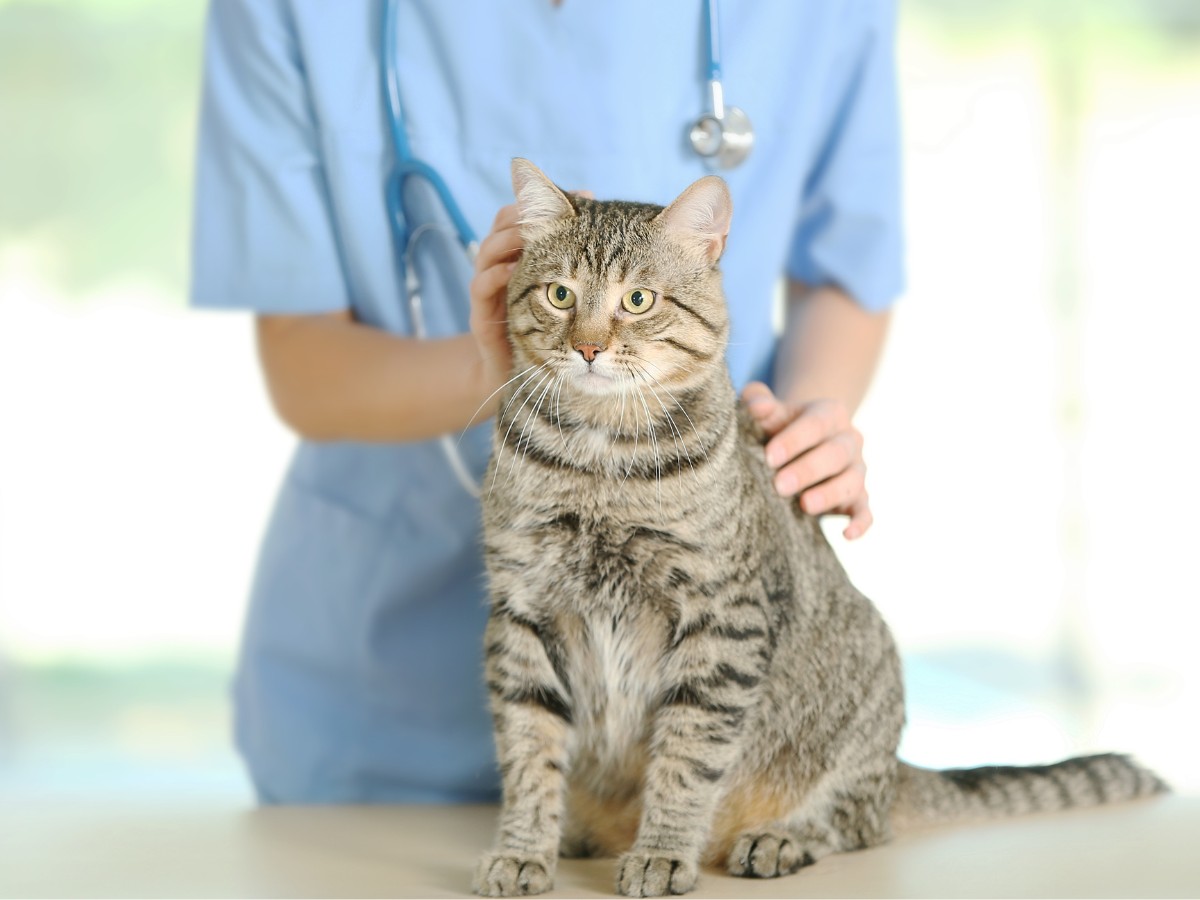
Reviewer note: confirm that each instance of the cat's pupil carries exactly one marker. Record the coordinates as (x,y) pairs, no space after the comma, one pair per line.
(560,293)
(636,298)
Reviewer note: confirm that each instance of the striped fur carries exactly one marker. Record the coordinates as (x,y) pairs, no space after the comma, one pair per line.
(680,670)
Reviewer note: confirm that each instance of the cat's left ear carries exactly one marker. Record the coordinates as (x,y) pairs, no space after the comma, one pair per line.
(701,215)
(539,200)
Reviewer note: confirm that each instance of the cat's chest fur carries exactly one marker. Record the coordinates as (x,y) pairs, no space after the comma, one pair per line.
(616,682)
(609,598)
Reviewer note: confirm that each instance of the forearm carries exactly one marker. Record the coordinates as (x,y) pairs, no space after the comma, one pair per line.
(830,346)
(331,378)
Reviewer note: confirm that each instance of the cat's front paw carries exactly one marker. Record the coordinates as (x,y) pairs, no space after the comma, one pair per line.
(510,875)
(641,874)
(766,855)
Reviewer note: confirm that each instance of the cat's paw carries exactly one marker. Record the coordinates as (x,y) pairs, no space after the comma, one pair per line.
(767,854)
(509,875)
(641,874)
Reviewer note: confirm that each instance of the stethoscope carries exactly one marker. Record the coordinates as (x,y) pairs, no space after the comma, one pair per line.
(722,136)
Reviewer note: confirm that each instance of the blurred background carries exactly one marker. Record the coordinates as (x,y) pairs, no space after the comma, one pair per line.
(1033,435)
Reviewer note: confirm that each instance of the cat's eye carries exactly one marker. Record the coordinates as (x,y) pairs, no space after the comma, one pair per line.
(638,300)
(560,295)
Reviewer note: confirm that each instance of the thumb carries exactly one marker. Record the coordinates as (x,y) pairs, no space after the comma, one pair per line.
(771,413)
(759,400)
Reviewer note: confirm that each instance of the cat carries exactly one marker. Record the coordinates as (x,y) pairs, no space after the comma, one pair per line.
(679,669)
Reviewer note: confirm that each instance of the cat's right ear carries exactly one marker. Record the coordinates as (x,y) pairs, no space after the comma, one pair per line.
(700,216)
(539,201)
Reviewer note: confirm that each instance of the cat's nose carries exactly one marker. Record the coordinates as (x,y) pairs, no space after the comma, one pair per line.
(589,350)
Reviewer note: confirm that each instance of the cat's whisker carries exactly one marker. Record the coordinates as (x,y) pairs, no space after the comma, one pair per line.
(676,434)
(549,382)
(651,433)
(621,423)
(485,402)
(517,391)
(558,413)
(525,400)
(675,400)
(499,448)
(654,444)
(537,409)
(636,441)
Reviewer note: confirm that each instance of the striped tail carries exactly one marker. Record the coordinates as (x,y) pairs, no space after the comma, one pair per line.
(929,797)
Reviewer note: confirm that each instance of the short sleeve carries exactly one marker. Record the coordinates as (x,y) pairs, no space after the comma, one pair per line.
(850,230)
(263,235)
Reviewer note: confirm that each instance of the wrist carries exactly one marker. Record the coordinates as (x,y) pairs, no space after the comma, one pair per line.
(484,380)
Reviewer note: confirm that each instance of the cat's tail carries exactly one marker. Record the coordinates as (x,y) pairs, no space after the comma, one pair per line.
(930,796)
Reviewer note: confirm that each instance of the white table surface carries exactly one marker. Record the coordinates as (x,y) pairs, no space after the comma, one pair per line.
(194,848)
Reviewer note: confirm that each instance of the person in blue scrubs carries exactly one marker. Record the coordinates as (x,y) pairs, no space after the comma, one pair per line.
(359,677)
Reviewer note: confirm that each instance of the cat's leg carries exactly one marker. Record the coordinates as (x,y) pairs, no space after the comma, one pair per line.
(697,737)
(532,719)
(842,814)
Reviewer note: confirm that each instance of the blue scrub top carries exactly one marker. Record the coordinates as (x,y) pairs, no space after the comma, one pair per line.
(360,670)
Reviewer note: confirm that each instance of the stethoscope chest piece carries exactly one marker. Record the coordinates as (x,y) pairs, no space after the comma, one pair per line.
(725,141)
(723,135)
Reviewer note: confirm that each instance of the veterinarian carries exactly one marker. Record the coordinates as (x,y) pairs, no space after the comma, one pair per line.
(359,676)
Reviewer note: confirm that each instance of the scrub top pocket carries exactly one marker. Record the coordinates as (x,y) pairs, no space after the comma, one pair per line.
(325,551)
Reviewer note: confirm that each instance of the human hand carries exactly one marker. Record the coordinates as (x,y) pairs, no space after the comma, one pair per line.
(494,265)
(497,258)
(816,453)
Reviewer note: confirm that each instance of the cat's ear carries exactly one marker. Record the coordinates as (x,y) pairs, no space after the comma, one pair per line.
(539,201)
(701,216)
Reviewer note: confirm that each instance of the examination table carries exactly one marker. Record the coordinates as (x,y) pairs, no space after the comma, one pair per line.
(212,848)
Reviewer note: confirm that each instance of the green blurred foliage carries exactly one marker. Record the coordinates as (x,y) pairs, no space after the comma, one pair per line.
(97,111)
(1156,35)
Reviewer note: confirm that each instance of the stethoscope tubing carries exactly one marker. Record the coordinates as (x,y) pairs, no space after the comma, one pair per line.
(732,128)
(408,166)
(712,26)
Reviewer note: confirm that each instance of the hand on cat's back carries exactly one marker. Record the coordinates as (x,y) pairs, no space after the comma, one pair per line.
(816,453)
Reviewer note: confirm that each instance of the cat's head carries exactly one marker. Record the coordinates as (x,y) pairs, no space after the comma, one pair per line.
(612,295)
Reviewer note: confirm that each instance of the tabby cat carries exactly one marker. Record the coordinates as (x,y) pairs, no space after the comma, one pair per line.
(680,671)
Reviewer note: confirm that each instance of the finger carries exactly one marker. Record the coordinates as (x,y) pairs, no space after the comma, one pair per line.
(806,432)
(506,216)
(488,287)
(808,427)
(768,410)
(828,458)
(860,521)
(498,246)
(585,194)
(758,397)
(841,493)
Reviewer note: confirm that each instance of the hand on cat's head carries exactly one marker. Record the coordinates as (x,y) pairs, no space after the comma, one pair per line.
(494,263)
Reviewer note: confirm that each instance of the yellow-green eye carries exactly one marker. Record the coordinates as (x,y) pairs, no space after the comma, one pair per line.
(638,300)
(560,295)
